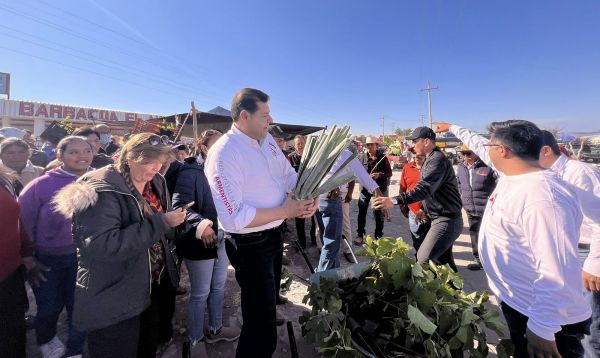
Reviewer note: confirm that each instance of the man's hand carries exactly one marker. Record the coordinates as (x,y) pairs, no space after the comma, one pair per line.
(313,208)
(35,271)
(422,216)
(348,197)
(382,202)
(377,193)
(590,282)
(540,347)
(299,208)
(441,127)
(209,237)
(374,176)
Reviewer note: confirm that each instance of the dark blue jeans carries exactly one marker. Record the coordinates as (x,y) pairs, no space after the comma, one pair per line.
(257,262)
(363,207)
(52,296)
(568,339)
(591,342)
(330,220)
(13,303)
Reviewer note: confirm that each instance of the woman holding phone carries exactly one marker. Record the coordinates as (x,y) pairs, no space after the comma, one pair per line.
(203,250)
(123,225)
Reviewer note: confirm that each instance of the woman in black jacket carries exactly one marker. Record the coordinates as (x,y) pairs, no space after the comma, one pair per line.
(203,250)
(127,274)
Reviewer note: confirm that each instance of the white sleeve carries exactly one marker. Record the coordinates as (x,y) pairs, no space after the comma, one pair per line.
(549,228)
(226,179)
(362,175)
(475,142)
(588,182)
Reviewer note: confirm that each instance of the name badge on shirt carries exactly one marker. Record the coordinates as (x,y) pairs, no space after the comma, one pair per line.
(483,171)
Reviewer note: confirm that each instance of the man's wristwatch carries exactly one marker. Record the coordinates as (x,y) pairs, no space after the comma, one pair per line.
(395,200)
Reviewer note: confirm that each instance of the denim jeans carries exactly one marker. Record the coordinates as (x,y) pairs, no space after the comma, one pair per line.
(331,221)
(437,244)
(591,342)
(568,339)
(207,281)
(257,261)
(418,230)
(52,296)
(363,207)
(474,225)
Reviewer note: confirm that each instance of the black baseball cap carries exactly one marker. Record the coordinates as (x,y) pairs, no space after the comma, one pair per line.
(422,132)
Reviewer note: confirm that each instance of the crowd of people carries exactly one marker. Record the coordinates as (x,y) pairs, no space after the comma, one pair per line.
(101,230)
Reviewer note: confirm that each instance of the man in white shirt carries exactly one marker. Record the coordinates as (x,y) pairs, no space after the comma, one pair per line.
(330,215)
(528,242)
(587,178)
(250,178)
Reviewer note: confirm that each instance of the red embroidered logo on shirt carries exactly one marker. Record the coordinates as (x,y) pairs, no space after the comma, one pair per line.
(223,195)
(273,149)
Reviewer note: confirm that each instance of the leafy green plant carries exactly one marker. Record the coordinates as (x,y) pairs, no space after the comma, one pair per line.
(399,307)
(67,124)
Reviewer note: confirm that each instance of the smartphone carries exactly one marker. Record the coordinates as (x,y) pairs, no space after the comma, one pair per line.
(188,205)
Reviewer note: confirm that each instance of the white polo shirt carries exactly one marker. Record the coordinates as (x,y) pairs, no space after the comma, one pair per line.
(245,175)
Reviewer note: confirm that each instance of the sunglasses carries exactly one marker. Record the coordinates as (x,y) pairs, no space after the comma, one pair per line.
(158,140)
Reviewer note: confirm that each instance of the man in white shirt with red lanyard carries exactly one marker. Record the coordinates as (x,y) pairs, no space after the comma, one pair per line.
(528,242)
(250,178)
(587,178)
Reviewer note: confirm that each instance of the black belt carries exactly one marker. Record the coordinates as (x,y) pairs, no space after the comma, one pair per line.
(254,235)
(584,246)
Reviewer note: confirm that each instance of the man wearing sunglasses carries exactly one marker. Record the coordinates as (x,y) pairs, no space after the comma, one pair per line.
(437,190)
(476,182)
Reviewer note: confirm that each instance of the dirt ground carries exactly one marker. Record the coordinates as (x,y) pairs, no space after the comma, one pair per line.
(396,227)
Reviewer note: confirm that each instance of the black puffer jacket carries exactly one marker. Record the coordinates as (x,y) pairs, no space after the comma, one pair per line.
(437,188)
(113,237)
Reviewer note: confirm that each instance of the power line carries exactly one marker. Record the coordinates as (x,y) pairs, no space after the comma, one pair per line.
(78,35)
(90,22)
(120,67)
(90,71)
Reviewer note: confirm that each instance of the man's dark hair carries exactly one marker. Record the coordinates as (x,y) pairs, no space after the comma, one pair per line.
(549,140)
(522,138)
(247,100)
(85,132)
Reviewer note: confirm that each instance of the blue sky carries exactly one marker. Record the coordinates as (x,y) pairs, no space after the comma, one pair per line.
(322,62)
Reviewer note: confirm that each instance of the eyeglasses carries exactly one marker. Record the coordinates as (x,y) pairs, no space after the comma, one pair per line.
(158,139)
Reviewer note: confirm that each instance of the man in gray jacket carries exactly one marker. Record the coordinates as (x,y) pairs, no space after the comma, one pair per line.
(437,190)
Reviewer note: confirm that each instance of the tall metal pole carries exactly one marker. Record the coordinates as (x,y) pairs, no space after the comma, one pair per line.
(429,89)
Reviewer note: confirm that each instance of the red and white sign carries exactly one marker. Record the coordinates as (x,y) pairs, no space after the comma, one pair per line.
(24,109)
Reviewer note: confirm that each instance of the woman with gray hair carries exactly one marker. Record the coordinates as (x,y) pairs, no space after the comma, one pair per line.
(122,225)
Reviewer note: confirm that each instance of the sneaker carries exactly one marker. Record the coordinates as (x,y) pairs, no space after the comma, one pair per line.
(359,241)
(228,334)
(475,266)
(198,350)
(53,349)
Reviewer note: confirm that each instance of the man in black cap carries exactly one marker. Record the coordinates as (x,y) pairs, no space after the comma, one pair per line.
(437,190)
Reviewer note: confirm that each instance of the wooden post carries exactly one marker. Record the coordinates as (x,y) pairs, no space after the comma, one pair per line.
(195,129)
